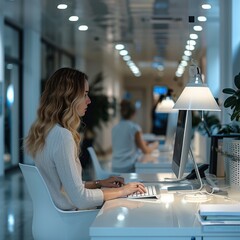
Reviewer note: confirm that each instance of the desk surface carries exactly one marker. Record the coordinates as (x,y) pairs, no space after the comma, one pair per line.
(158,162)
(172,216)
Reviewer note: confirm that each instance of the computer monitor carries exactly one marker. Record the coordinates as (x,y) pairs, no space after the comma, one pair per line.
(171,130)
(182,142)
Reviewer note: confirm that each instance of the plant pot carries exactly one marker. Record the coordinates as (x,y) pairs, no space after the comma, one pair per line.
(231,149)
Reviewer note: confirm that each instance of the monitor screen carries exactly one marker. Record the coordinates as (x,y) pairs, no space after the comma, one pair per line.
(160,90)
(171,128)
(182,142)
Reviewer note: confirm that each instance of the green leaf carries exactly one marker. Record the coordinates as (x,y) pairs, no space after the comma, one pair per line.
(230,101)
(235,115)
(237,106)
(229,91)
(237,81)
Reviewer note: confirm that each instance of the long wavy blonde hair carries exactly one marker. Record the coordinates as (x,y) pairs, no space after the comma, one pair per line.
(58,105)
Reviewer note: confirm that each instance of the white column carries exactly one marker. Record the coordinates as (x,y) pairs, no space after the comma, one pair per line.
(213,58)
(235,36)
(32,64)
(1,94)
(226,63)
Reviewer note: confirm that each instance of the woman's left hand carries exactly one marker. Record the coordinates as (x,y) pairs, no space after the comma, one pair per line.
(112,182)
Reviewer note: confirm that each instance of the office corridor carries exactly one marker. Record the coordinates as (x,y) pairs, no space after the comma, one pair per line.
(16,206)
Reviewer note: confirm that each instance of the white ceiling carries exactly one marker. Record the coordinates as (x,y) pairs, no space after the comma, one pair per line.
(153,31)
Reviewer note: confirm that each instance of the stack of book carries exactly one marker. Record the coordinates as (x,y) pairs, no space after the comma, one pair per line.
(219,217)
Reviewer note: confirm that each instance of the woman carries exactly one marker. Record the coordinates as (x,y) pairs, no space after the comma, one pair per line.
(53,142)
(127,140)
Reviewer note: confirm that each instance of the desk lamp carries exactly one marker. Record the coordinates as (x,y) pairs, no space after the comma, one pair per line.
(165,106)
(196,96)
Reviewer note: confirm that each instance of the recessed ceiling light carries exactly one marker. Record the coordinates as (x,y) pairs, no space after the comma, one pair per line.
(83,28)
(190,47)
(126,58)
(193,36)
(73,18)
(206,6)
(187,53)
(62,6)
(186,58)
(191,42)
(202,19)
(123,52)
(184,63)
(197,28)
(119,47)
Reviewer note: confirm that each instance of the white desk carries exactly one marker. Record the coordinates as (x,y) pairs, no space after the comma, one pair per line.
(157,162)
(170,218)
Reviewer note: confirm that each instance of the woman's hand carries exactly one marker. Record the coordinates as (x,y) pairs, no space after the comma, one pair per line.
(132,187)
(153,145)
(112,182)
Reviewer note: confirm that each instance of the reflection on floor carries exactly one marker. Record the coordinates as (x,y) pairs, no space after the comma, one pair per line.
(16,206)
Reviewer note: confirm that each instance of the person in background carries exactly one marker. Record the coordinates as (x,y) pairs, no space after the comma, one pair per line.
(53,141)
(159,120)
(127,140)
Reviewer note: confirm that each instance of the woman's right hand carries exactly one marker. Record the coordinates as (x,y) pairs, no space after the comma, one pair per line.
(132,187)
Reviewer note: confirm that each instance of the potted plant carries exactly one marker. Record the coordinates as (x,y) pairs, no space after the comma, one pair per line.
(233,101)
(231,146)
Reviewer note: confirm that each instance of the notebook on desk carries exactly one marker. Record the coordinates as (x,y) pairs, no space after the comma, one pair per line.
(211,211)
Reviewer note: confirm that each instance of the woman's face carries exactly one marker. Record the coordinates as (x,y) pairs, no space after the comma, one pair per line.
(83,102)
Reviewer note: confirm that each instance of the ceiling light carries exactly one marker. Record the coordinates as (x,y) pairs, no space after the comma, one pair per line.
(178,74)
(188,53)
(62,6)
(193,36)
(206,6)
(197,28)
(191,42)
(190,47)
(183,63)
(202,19)
(130,63)
(119,47)
(126,58)
(123,52)
(83,28)
(138,74)
(186,58)
(73,18)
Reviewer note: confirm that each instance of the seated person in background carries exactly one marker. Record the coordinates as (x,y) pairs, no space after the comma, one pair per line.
(127,140)
(53,141)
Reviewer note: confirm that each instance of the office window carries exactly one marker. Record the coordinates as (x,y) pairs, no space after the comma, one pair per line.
(53,58)
(12,95)
(11,43)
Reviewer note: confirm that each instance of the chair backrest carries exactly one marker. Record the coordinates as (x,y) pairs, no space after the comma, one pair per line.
(100,173)
(49,222)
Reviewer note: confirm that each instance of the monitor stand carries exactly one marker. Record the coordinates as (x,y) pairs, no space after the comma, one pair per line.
(180,184)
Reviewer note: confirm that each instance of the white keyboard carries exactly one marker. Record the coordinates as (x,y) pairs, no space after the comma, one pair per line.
(151,192)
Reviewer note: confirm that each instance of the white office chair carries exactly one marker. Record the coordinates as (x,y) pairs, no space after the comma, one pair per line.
(50,222)
(99,172)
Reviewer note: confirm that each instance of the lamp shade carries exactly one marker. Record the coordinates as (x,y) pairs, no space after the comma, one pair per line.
(196,97)
(165,106)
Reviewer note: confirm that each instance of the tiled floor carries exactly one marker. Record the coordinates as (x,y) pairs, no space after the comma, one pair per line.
(16,206)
